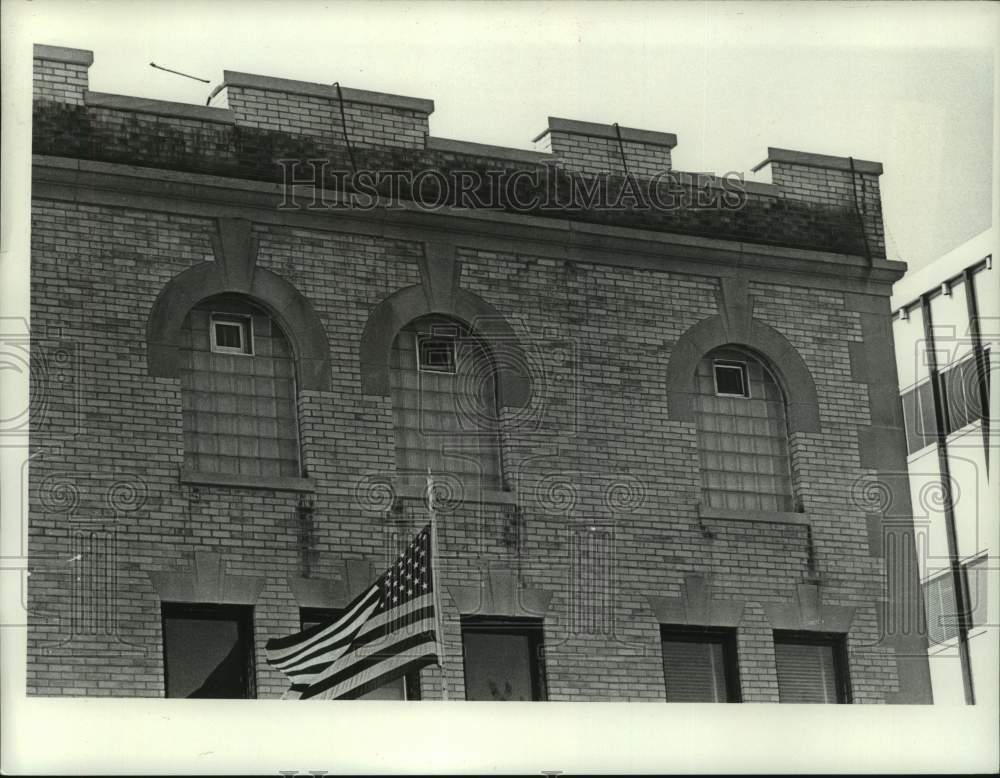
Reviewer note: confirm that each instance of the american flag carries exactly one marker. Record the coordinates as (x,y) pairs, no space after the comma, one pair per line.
(388,631)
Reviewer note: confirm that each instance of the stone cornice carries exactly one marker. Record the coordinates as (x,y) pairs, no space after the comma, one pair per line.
(63,54)
(112,184)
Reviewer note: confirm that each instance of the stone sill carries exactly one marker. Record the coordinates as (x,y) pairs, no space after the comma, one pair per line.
(472,494)
(270,483)
(764,517)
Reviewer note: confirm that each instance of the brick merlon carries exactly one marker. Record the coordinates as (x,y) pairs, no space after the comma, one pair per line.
(326,91)
(808,159)
(594,130)
(63,54)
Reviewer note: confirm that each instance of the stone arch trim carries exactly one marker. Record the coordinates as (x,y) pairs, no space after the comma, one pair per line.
(782,358)
(412,302)
(234,273)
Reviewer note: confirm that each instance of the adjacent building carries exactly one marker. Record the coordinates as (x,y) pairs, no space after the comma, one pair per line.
(946,329)
(660,409)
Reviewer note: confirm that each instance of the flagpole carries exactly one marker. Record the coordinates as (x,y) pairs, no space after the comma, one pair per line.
(434,582)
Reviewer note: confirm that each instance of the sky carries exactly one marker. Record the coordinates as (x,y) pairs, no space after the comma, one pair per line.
(906,84)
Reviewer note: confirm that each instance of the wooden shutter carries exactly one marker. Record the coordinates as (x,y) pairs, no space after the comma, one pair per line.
(694,671)
(807,671)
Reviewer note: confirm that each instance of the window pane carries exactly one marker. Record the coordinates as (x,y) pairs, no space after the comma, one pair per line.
(228,335)
(807,671)
(694,671)
(445,413)
(498,666)
(979,581)
(206,655)
(437,354)
(742,440)
(730,379)
(928,419)
(911,419)
(238,406)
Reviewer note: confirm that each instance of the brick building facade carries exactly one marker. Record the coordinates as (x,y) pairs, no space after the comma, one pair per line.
(594,524)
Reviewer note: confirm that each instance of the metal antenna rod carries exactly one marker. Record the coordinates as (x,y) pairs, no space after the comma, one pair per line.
(177,72)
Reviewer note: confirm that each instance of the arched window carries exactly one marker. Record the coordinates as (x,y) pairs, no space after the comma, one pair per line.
(742,433)
(444,394)
(238,389)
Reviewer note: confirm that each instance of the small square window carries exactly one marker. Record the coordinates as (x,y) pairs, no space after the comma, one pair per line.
(232,334)
(731,379)
(436,353)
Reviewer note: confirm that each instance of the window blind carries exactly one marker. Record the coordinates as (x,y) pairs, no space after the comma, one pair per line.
(807,672)
(694,671)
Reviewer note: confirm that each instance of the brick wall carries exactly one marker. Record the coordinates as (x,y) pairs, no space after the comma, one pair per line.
(606,426)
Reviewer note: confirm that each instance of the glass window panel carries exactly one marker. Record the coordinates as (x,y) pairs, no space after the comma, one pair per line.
(950,317)
(207,651)
(229,399)
(928,419)
(979,581)
(731,379)
(911,419)
(961,412)
(750,435)
(985,283)
(500,665)
(436,411)
(908,337)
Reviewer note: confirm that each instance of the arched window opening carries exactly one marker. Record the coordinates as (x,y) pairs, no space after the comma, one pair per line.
(238,390)
(445,403)
(742,433)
